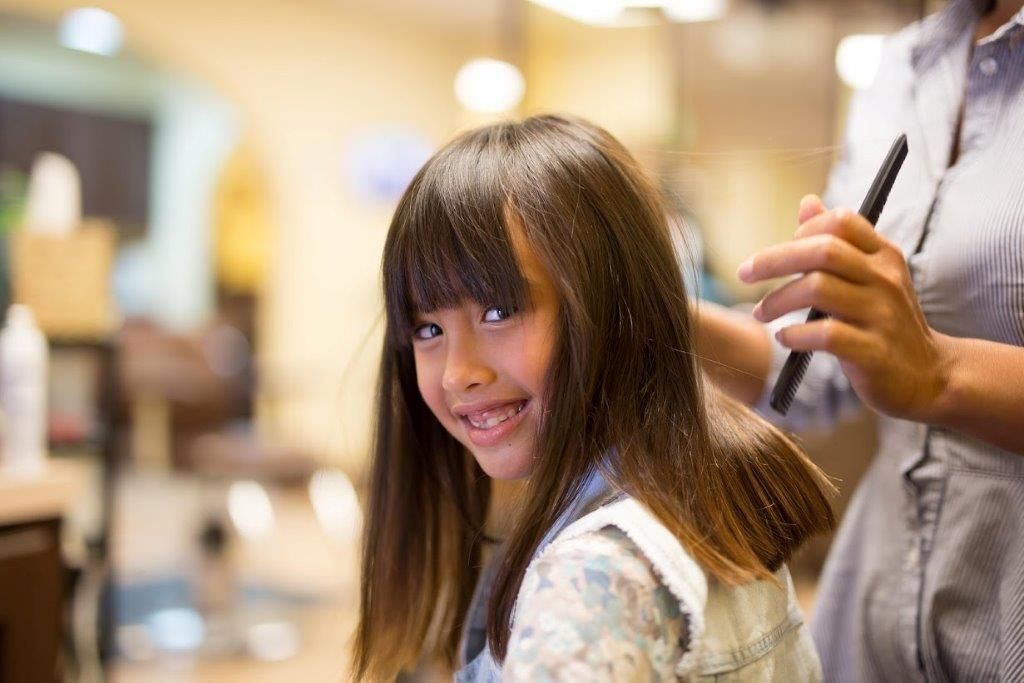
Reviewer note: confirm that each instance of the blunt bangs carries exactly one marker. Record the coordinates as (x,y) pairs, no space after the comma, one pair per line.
(450,239)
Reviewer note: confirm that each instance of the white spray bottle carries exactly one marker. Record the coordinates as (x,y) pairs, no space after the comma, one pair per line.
(23,367)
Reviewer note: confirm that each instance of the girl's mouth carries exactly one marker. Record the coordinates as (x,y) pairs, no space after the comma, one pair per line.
(488,428)
(492,418)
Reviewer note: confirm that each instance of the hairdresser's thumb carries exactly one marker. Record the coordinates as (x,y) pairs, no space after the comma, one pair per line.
(810,206)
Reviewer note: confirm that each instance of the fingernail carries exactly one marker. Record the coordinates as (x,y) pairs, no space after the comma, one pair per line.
(756,312)
(778,336)
(746,270)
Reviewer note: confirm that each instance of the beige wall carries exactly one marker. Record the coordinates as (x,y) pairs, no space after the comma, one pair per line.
(621,78)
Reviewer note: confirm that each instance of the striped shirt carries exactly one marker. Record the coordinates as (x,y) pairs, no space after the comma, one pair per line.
(925,580)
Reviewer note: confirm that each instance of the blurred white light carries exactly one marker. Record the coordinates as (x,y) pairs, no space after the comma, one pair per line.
(489,86)
(91,29)
(273,641)
(336,505)
(54,201)
(618,12)
(597,12)
(857,59)
(250,509)
(177,630)
(695,10)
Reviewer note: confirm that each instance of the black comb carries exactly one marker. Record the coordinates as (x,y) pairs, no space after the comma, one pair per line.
(796,364)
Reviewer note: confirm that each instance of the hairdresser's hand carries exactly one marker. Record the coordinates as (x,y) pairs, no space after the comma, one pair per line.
(895,362)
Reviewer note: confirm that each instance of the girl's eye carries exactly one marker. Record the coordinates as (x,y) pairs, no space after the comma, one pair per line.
(427,331)
(496,314)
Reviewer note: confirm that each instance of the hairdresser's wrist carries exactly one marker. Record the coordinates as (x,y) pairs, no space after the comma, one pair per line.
(982,391)
(946,387)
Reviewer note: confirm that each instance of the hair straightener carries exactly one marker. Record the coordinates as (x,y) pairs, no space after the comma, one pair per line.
(796,364)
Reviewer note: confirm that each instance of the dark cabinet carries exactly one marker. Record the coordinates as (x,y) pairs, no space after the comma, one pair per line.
(31,602)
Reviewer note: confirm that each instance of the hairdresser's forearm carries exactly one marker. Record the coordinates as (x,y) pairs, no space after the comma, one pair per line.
(984,391)
(734,349)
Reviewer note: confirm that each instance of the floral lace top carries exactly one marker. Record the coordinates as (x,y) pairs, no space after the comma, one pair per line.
(592,609)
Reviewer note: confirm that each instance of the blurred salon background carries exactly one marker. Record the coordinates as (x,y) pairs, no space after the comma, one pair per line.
(193,201)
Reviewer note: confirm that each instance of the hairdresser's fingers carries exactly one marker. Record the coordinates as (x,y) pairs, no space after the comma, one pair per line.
(810,206)
(895,369)
(845,341)
(820,290)
(821,252)
(846,225)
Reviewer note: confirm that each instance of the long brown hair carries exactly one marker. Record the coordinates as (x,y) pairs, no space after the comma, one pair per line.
(738,494)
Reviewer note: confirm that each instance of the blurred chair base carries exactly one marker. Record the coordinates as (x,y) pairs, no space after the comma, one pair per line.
(236,453)
(214,616)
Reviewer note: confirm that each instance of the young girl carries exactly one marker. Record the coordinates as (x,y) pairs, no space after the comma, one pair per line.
(538,329)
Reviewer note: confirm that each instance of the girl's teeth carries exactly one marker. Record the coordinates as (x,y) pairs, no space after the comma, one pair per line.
(497,419)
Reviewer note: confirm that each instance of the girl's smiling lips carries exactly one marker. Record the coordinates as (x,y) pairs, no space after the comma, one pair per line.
(479,419)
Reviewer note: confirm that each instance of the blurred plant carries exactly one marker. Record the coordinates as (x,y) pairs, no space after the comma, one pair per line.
(13,195)
(13,189)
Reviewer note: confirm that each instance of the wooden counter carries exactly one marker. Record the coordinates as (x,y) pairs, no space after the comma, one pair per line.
(46,494)
(31,568)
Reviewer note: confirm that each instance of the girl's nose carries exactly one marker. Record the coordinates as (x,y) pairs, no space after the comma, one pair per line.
(465,369)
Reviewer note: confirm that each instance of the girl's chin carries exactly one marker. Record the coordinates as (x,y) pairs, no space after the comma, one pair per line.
(504,467)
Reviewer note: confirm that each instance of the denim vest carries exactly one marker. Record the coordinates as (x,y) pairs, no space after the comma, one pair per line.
(753,632)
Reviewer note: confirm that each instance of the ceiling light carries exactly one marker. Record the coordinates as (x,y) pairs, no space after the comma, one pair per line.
(857,59)
(694,10)
(91,29)
(635,12)
(489,86)
(597,12)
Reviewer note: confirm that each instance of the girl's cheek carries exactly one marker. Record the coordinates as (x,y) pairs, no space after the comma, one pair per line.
(424,383)
(428,380)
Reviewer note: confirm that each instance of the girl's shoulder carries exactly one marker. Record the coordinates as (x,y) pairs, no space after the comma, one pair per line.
(592,607)
(615,596)
(630,520)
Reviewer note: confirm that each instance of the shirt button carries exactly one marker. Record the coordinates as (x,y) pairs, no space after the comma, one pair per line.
(989,66)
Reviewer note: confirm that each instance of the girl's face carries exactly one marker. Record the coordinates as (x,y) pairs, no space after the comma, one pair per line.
(481,370)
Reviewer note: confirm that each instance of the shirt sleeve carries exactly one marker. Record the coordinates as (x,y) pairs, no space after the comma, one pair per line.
(592,609)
